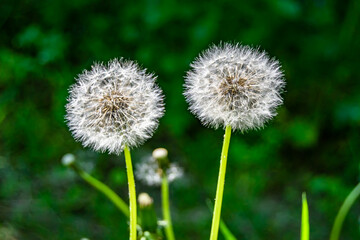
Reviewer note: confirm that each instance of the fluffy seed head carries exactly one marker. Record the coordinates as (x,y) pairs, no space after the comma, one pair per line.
(234,85)
(113,106)
(149,172)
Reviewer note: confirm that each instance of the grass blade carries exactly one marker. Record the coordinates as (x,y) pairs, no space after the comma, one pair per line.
(305,228)
(349,201)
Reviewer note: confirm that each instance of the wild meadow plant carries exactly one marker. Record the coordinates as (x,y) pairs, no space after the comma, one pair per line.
(236,88)
(116,107)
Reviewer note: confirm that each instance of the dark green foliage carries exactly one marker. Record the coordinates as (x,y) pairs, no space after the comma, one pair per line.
(312,145)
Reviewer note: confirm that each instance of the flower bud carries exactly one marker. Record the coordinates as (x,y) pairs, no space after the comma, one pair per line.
(161,156)
(68,159)
(145,200)
(148,219)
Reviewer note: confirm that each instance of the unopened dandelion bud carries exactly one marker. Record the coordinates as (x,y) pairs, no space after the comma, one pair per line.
(160,153)
(161,156)
(144,200)
(68,159)
(147,213)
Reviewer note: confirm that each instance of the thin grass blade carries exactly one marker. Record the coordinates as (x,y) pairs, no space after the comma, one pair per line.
(305,228)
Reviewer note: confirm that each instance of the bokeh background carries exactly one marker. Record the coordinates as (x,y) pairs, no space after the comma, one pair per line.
(312,145)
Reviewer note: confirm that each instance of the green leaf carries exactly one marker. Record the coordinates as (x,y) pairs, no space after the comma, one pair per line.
(339,220)
(305,229)
(226,232)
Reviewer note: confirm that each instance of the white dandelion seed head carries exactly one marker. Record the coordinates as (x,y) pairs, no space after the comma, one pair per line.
(234,85)
(113,106)
(148,172)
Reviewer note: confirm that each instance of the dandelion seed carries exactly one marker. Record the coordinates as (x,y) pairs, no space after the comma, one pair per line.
(113,106)
(234,85)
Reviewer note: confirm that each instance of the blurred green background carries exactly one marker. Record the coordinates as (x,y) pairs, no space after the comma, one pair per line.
(312,145)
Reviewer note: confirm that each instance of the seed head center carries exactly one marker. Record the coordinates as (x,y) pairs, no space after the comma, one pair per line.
(232,86)
(112,104)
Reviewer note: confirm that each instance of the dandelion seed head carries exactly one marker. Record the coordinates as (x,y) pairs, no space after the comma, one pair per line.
(148,172)
(234,85)
(113,106)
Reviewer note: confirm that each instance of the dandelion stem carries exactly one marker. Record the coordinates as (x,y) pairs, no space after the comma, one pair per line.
(101,187)
(166,208)
(349,201)
(223,228)
(220,185)
(132,194)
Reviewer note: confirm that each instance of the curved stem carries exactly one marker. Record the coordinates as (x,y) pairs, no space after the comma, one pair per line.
(166,208)
(132,193)
(349,201)
(101,187)
(220,185)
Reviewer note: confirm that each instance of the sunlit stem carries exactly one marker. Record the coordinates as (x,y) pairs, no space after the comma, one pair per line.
(220,185)
(132,193)
(305,228)
(349,201)
(166,208)
(101,187)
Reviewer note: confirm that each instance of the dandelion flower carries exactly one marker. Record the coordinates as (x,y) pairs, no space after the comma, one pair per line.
(148,171)
(234,85)
(113,106)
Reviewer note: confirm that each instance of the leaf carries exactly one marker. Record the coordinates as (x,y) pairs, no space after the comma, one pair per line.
(305,229)
(339,220)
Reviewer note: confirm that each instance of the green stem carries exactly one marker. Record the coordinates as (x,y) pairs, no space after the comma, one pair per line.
(223,228)
(220,185)
(132,193)
(101,187)
(166,208)
(349,201)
